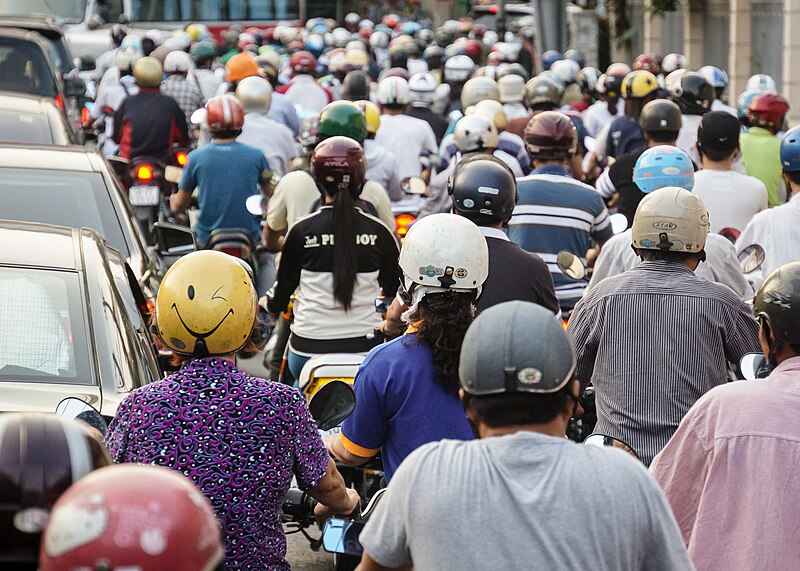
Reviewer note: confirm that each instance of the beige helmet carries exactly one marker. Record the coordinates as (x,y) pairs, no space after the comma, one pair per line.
(511,88)
(148,72)
(670,219)
(478,89)
(255,94)
(492,110)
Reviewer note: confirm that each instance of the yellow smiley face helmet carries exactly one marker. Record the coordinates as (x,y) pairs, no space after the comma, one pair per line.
(206,305)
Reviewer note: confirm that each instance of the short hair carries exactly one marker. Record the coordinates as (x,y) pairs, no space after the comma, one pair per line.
(665,137)
(509,409)
(666,255)
(793,176)
(226,134)
(716,155)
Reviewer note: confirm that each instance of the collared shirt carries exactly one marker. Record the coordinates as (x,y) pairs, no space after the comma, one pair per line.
(240,439)
(730,474)
(556,212)
(597,116)
(186,93)
(273,139)
(652,341)
(777,230)
(721,265)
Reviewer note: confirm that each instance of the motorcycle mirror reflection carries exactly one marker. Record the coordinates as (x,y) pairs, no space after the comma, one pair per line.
(752,366)
(751,258)
(341,536)
(331,404)
(74,408)
(571,265)
(416,186)
(603,440)
(619,223)
(255,205)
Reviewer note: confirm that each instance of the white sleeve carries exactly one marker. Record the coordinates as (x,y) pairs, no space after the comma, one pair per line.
(604,186)
(722,266)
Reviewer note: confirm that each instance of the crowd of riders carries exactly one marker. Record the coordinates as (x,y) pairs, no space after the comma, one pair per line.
(650,178)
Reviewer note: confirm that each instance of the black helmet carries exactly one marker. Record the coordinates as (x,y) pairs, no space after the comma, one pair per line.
(777,301)
(356,85)
(693,94)
(483,189)
(398,56)
(434,57)
(41,455)
(612,86)
(661,115)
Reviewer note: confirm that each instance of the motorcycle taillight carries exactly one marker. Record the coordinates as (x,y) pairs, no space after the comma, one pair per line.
(181,158)
(144,173)
(237,251)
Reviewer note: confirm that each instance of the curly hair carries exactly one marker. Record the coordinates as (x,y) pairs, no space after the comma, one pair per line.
(443,321)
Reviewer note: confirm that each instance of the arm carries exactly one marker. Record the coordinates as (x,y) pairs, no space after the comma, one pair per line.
(336,448)
(369,564)
(333,496)
(273,241)
(182,199)
(119,116)
(585,329)
(389,273)
(288,271)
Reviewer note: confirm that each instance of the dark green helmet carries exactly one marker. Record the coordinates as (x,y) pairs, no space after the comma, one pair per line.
(203,50)
(778,300)
(342,118)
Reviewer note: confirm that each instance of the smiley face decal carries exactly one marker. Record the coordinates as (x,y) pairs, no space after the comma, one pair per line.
(206,305)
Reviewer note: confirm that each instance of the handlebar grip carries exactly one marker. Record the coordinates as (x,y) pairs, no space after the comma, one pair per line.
(298,506)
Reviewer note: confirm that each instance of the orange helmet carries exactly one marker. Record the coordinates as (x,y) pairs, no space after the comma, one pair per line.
(240,66)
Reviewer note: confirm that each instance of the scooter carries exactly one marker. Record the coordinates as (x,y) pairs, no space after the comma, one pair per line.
(405,211)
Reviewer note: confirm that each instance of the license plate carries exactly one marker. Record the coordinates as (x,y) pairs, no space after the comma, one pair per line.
(144,195)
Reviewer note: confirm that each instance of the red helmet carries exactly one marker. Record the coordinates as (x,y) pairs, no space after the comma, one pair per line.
(224,113)
(550,135)
(473,49)
(41,456)
(768,109)
(647,62)
(132,517)
(302,62)
(338,164)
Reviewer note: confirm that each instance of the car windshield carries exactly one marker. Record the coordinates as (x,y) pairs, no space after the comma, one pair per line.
(42,327)
(205,10)
(24,68)
(71,11)
(18,127)
(65,198)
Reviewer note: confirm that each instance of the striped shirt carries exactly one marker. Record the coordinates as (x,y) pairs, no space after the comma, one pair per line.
(652,341)
(556,212)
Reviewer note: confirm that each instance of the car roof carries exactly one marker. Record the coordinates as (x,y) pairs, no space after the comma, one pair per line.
(24,103)
(37,23)
(47,157)
(40,245)
(20,34)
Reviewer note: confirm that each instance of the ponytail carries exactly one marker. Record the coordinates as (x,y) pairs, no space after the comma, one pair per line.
(345,253)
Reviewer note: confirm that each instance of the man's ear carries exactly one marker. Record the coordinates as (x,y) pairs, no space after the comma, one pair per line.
(467,409)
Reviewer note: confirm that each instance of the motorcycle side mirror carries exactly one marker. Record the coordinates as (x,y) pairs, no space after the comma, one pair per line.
(571,265)
(603,440)
(416,186)
(174,240)
(751,258)
(331,404)
(74,408)
(619,223)
(255,205)
(752,366)
(342,536)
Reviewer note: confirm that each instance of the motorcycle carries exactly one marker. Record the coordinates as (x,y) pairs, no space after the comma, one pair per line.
(405,211)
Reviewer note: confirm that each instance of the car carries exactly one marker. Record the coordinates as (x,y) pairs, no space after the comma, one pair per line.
(53,37)
(75,186)
(32,120)
(70,321)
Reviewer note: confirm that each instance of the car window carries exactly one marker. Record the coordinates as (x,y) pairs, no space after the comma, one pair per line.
(24,68)
(42,327)
(71,11)
(57,54)
(66,198)
(18,127)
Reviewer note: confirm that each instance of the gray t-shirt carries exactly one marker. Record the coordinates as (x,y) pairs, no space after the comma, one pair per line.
(523,501)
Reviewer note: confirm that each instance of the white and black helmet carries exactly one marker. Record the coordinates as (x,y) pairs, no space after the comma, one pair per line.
(423,89)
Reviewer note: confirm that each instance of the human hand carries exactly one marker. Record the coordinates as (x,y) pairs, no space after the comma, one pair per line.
(323,512)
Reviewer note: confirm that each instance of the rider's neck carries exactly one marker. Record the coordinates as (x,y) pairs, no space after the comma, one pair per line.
(723,165)
(556,427)
(223,140)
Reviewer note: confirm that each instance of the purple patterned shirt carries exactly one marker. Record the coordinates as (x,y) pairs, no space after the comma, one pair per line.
(239,438)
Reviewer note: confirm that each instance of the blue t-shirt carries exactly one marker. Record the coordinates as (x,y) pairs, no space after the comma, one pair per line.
(226,174)
(400,406)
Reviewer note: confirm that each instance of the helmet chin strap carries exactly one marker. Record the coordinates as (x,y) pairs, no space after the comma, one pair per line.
(200,349)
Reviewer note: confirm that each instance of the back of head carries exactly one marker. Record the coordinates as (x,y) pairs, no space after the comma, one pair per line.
(550,135)
(148,72)
(663,166)
(768,110)
(342,118)
(761,82)
(674,61)
(511,88)
(776,302)
(661,119)
(423,89)
(492,110)
(477,89)
(41,456)
(338,165)
(356,85)
(718,135)
(670,219)
(255,94)
(177,62)
(171,525)
(240,66)
(639,84)
(475,133)
(458,69)
(790,150)
(693,94)
(483,190)
(372,114)
(542,91)
(302,63)
(393,92)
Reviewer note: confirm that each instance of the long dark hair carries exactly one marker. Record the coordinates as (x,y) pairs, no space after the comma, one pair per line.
(444,318)
(345,251)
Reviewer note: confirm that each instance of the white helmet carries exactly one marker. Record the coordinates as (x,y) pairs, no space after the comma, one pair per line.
(125,58)
(393,91)
(671,62)
(458,68)
(490,38)
(255,94)
(492,110)
(340,37)
(475,133)
(423,89)
(352,18)
(761,82)
(510,88)
(177,62)
(378,40)
(445,251)
(566,70)
(366,24)
(356,45)
(671,219)
(478,89)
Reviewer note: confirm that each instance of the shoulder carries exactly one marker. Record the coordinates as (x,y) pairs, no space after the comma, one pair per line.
(405,350)
(557,180)
(374,222)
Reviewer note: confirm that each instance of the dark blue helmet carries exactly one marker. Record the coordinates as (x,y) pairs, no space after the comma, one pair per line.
(550,57)
(790,150)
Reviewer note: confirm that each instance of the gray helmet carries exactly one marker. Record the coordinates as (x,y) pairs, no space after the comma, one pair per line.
(516,346)
(777,301)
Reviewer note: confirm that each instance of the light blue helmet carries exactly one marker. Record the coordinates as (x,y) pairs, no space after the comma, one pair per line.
(790,150)
(662,166)
(743,103)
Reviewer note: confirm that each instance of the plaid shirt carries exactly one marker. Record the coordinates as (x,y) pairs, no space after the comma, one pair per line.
(185,93)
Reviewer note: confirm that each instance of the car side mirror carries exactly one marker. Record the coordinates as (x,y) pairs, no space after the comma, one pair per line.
(77,409)
(84,63)
(174,240)
(119,165)
(74,87)
(331,404)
